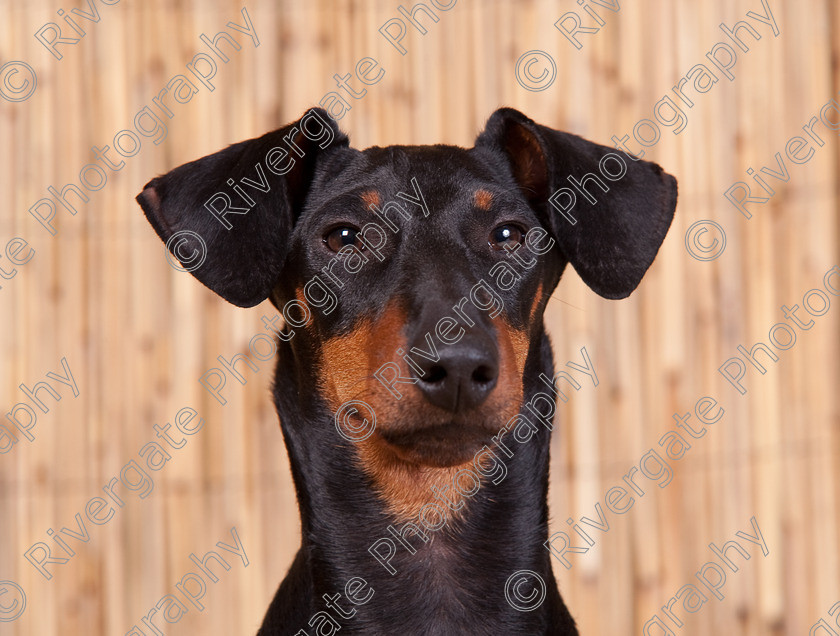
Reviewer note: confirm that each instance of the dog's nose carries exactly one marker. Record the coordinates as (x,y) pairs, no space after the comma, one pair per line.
(462,377)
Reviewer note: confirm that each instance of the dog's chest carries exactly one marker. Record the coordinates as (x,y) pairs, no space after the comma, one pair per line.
(445,591)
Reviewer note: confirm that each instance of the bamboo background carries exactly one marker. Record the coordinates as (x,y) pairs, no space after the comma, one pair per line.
(137,334)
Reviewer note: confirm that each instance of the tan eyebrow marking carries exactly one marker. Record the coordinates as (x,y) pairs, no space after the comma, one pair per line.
(482,199)
(371,197)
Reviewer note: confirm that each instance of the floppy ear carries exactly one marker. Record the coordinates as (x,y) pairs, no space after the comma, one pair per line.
(610,242)
(242,202)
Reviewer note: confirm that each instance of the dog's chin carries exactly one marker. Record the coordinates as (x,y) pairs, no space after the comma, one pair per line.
(439,446)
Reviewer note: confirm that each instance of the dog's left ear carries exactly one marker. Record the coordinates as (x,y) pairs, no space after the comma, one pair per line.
(610,243)
(242,202)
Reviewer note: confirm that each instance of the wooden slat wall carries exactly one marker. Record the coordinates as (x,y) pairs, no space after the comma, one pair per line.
(137,334)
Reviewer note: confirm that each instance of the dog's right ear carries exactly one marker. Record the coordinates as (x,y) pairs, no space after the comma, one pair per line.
(242,202)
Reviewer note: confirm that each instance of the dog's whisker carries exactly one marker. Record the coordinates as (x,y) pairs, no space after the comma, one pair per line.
(560,300)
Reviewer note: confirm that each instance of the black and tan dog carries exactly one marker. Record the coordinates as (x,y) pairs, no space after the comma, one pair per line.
(410,239)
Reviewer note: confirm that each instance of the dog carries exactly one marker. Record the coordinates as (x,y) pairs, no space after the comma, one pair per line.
(413,281)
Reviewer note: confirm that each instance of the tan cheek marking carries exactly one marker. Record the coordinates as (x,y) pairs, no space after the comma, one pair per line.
(371,197)
(343,365)
(537,299)
(518,343)
(299,314)
(349,361)
(347,364)
(482,199)
(513,345)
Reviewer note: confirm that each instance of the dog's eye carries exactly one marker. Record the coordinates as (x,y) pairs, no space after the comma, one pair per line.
(343,236)
(506,234)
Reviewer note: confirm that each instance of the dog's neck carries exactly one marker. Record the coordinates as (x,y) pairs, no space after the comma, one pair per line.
(447,581)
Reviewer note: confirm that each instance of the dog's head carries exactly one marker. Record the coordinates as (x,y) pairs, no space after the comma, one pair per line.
(414,278)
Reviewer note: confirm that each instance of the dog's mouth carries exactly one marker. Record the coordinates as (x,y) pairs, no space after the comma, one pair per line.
(440,445)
